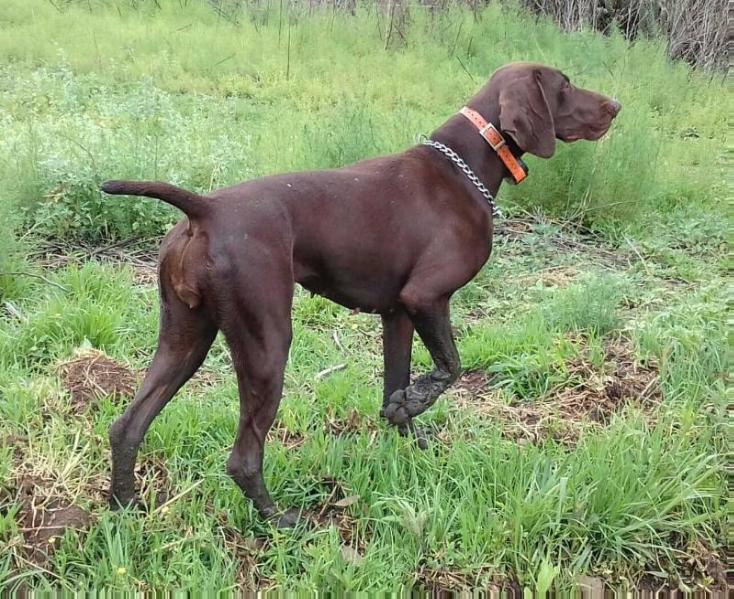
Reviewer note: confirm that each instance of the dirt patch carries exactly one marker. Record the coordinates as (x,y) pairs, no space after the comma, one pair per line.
(592,247)
(92,374)
(438,581)
(513,228)
(42,524)
(553,276)
(591,400)
(629,378)
(702,564)
(145,275)
(334,512)
(204,379)
(473,383)
(529,235)
(247,551)
(138,253)
(441,581)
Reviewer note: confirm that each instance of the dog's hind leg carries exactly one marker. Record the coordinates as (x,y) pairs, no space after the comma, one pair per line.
(184,339)
(259,335)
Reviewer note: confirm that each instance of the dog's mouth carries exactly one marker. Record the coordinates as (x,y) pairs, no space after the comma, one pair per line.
(591,134)
(598,132)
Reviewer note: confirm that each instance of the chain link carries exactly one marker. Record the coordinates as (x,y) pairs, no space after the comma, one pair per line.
(456,159)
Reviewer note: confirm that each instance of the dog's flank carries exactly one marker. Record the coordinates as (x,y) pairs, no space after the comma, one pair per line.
(192,204)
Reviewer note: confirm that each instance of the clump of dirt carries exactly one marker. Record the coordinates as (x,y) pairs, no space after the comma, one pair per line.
(43,521)
(567,411)
(91,374)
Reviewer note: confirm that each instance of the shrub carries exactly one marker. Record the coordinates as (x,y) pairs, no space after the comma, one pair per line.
(590,306)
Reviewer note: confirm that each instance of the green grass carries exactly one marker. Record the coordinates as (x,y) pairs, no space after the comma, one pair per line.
(99,90)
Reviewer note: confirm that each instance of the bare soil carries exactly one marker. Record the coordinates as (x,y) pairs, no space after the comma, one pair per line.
(564,413)
(44,520)
(92,374)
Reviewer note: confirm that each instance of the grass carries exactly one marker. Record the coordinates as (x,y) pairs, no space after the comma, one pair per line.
(524,480)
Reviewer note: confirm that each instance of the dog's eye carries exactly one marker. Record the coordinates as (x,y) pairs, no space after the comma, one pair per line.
(564,91)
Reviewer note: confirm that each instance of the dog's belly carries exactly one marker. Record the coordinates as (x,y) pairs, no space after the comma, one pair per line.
(366,296)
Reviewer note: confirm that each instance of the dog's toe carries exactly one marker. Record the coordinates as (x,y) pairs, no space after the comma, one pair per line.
(395,411)
(420,439)
(418,433)
(287,519)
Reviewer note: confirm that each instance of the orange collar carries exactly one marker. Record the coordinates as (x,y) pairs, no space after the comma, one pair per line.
(495,140)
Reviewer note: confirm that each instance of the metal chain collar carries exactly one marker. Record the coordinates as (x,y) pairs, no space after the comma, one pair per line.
(458,161)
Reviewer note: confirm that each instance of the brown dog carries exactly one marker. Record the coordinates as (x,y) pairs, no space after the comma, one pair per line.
(396,235)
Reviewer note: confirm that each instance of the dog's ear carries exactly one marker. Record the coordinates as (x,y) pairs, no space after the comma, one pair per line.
(526,116)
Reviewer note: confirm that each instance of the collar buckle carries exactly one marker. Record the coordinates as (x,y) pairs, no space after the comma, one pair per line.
(497,142)
(489,132)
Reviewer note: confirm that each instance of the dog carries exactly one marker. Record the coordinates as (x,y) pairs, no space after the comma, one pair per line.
(394,235)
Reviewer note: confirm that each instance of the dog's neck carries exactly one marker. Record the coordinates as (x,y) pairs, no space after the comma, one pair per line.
(462,137)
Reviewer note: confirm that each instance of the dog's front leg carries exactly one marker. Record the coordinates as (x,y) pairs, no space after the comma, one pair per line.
(397,343)
(433,323)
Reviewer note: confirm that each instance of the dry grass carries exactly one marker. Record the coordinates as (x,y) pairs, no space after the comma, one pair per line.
(567,411)
(334,512)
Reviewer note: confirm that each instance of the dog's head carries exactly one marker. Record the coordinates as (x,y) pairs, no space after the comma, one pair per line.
(538,104)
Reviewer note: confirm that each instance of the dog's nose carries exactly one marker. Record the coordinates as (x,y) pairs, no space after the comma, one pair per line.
(613,107)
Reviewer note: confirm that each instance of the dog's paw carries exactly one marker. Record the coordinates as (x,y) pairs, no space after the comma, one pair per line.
(288,519)
(421,395)
(395,411)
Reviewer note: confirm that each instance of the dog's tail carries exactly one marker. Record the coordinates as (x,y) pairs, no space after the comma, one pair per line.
(192,204)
